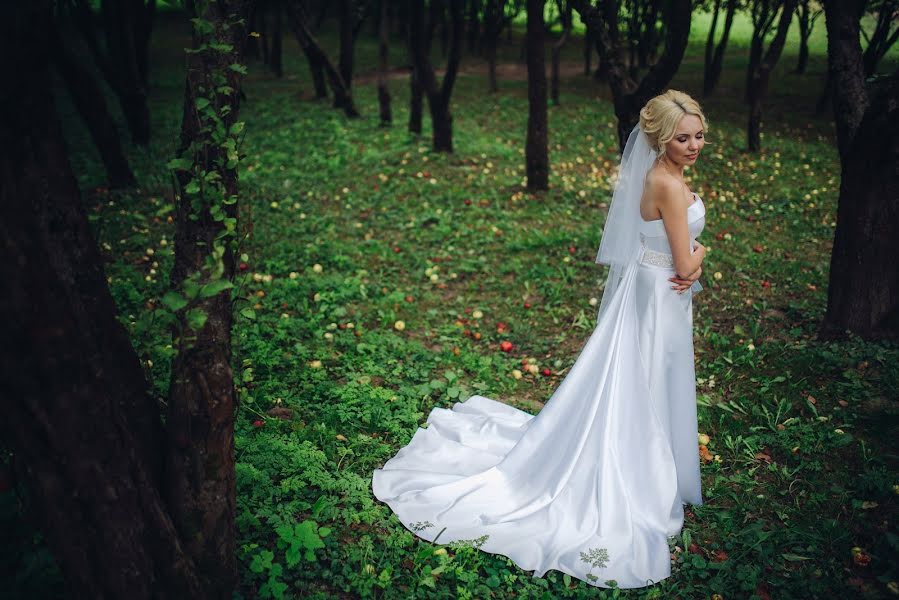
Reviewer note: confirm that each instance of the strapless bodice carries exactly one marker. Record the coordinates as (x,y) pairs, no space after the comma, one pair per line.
(654,237)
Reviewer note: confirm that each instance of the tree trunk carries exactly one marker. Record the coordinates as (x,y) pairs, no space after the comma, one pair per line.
(88,99)
(628,95)
(557,52)
(319,60)
(276,58)
(416,103)
(438,96)
(122,20)
(200,484)
(863,295)
(493,26)
(710,44)
(760,77)
(805,30)
(718,59)
(473,25)
(588,52)
(383,89)
(492,81)
(79,416)
(536,152)
(110,63)
(345,59)
(881,40)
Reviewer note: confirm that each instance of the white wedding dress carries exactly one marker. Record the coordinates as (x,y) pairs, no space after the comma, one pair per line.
(595,483)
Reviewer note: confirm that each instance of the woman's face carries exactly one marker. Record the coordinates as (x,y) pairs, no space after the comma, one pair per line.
(688,141)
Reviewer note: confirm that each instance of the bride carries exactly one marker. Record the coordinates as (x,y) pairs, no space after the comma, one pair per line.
(595,483)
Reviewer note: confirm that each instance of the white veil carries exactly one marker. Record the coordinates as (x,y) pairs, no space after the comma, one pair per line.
(620,244)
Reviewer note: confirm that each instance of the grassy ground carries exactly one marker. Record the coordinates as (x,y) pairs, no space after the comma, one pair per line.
(352,228)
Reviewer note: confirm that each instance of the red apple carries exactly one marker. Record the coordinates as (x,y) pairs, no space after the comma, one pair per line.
(547,372)
(505,346)
(258,423)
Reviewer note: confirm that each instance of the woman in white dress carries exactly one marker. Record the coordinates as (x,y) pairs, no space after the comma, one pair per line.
(595,483)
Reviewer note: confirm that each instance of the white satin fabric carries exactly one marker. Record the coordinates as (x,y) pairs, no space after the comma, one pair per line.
(594,483)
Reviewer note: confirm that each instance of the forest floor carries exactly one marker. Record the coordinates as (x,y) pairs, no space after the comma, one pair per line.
(380,279)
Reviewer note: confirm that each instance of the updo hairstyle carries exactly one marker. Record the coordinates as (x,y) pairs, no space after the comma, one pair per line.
(661,115)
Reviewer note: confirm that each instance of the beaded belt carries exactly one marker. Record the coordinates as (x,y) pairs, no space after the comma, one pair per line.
(658,259)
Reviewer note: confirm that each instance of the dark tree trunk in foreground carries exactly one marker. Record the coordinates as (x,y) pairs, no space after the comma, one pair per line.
(714,53)
(629,95)
(79,416)
(759,75)
(438,95)
(536,152)
(383,89)
(318,60)
(91,105)
(565,16)
(863,294)
(200,484)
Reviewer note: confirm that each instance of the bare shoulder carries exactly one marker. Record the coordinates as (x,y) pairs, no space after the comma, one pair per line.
(663,190)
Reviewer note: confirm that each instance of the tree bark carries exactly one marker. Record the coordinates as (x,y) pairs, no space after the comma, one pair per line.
(200,480)
(438,96)
(863,294)
(588,52)
(760,77)
(345,59)
(882,39)
(474,26)
(276,61)
(536,151)
(91,105)
(319,60)
(494,13)
(565,15)
(416,103)
(806,19)
(714,59)
(383,89)
(79,415)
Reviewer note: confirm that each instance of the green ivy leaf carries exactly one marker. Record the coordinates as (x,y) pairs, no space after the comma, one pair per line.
(174,301)
(196,318)
(180,164)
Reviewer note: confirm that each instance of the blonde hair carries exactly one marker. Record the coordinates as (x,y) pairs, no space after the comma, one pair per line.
(661,115)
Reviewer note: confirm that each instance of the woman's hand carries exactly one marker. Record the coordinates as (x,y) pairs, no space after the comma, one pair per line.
(682,284)
(698,248)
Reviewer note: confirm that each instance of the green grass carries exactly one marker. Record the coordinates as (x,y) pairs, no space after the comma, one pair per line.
(802,431)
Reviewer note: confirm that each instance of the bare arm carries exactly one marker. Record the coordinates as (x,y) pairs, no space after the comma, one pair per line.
(669,199)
